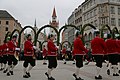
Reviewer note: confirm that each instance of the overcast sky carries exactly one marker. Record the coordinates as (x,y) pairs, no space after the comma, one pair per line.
(25,11)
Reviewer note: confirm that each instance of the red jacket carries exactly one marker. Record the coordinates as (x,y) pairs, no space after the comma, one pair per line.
(98,46)
(118,46)
(52,49)
(11,46)
(5,49)
(28,48)
(44,52)
(111,46)
(1,50)
(79,48)
(64,51)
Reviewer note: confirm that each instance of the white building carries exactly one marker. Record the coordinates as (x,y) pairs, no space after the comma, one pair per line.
(97,13)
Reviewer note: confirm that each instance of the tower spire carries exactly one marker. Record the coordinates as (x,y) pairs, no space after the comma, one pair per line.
(54,13)
(35,23)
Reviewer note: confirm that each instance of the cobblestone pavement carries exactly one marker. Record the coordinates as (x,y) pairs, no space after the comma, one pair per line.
(62,72)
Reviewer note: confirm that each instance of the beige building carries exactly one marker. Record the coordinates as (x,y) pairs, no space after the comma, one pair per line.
(7,24)
(97,13)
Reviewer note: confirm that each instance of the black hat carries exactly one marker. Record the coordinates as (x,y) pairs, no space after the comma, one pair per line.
(50,35)
(28,35)
(14,36)
(77,33)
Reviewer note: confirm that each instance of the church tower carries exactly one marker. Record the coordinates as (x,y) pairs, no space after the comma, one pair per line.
(54,23)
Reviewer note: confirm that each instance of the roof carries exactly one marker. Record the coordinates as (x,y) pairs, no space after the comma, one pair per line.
(5,14)
(54,13)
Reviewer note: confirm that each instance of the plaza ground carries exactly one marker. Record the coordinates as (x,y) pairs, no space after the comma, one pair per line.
(62,72)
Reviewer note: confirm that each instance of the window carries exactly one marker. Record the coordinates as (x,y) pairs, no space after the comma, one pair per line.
(119,22)
(95,23)
(7,22)
(113,21)
(112,10)
(0,22)
(118,10)
(95,11)
(6,29)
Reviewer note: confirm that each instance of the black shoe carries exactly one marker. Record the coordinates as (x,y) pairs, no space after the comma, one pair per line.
(44,63)
(99,77)
(11,72)
(73,63)
(51,78)
(86,63)
(75,76)
(5,71)
(116,74)
(8,74)
(1,69)
(47,74)
(64,62)
(79,78)
(28,74)
(119,71)
(25,76)
(107,65)
(108,72)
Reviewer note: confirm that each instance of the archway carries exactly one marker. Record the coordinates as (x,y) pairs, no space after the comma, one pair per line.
(65,27)
(83,29)
(19,39)
(46,27)
(15,30)
(86,25)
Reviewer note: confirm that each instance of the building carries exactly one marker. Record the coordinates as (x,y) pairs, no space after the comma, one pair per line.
(97,13)
(7,24)
(54,23)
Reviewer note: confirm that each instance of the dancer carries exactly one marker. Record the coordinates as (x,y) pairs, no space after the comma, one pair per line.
(118,49)
(52,56)
(29,56)
(98,50)
(112,54)
(79,50)
(12,61)
(64,55)
(5,54)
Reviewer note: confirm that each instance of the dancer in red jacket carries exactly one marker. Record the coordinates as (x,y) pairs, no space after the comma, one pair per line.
(5,54)
(12,61)
(79,51)
(98,50)
(112,54)
(52,56)
(118,50)
(29,56)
